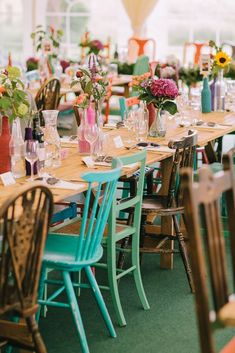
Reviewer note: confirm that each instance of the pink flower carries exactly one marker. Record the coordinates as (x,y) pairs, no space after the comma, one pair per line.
(164,88)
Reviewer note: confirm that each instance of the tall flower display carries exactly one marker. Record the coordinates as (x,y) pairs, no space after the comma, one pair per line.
(13,99)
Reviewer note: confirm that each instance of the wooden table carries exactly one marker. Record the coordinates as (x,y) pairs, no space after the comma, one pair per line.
(120,81)
(72,167)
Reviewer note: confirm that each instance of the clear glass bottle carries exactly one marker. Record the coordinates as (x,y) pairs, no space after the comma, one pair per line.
(52,139)
(83,145)
(16,146)
(38,135)
(219,93)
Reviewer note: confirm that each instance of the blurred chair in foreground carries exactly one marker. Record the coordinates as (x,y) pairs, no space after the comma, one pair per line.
(215,306)
(24,222)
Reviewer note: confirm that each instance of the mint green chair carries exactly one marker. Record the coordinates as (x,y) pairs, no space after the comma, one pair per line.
(141,66)
(118,231)
(70,254)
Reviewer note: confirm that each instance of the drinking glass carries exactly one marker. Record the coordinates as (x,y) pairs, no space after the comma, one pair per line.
(31,154)
(91,133)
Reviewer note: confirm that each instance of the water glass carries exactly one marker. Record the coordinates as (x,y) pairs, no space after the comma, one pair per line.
(91,133)
(31,154)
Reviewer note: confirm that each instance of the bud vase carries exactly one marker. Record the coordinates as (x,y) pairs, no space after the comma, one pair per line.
(5,165)
(158,126)
(219,94)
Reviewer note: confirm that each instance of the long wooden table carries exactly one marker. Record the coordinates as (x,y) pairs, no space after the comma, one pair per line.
(72,167)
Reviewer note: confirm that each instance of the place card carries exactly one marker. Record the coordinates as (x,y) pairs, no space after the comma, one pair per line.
(205,65)
(7,178)
(118,142)
(88,161)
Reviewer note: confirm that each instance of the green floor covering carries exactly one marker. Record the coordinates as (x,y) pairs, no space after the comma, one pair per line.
(168,327)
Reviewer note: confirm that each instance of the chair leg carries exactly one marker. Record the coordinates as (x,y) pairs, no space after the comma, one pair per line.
(75,311)
(37,338)
(100,301)
(113,284)
(135,253)
(41,289)
(184,253)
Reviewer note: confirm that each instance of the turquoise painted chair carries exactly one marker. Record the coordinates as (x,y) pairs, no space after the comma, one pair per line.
(70,254)
(141,65)
(117,232)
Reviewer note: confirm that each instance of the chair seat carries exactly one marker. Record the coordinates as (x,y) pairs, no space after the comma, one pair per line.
(158,204)
(60,253)
(230,347)
(73,227)
(17,333)
(226,314)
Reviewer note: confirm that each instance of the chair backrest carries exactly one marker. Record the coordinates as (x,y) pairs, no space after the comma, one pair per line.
(24,222)
(141,43)
(206,241)
(198,49)
(126,103)
(141,66)
(48,95)
(93,222)
(184,157)
(136,201)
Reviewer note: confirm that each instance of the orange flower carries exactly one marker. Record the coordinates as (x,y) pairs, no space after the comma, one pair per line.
(2,89)
(80,99)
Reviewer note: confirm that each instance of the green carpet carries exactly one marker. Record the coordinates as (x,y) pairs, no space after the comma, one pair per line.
(168,327)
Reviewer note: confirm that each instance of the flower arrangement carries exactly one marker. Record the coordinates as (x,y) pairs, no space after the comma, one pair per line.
(47,40)
(94,84)
(94,46)
(220,60)
(13,98)
(190,75)
(160,92)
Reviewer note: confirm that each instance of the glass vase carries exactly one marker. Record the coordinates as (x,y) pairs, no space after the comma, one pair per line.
(83,144)
(51,139)
(158,126)
(219,92)
(17,150)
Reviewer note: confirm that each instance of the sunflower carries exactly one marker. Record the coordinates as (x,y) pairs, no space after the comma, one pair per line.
(222,59)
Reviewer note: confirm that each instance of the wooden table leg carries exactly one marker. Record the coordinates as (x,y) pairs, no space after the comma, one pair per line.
(166,260)
(126,91)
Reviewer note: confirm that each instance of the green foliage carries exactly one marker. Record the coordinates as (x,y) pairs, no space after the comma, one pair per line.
(190,75)
(124,68)
(13,98)
(55,36)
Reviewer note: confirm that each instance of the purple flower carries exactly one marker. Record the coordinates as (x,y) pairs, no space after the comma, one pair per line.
(96,43)
(164,88)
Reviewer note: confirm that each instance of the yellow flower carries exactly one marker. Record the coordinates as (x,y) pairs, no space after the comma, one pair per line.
(222,59)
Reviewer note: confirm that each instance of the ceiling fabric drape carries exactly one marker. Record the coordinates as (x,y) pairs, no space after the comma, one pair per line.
(138,11)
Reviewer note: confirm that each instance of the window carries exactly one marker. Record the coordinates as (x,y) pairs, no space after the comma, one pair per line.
(11,24)
(73,17)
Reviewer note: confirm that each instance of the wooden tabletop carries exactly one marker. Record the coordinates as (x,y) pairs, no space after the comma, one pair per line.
(72,167)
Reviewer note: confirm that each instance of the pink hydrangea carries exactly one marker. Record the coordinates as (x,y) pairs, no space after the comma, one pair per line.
(164,88)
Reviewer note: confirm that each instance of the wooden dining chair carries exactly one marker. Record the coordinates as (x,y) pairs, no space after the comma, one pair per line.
(215,305)
(70,252)
(141,45)
(24,222)
(198,50)
(170,205)
(48,96)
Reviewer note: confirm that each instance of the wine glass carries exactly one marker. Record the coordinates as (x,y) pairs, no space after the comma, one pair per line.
(31,154)
(91,133)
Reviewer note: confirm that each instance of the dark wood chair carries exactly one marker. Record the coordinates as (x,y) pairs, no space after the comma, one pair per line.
(24,221)
(48,96)
(170,205)
(215,308)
